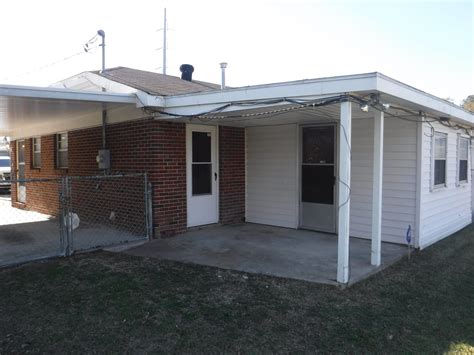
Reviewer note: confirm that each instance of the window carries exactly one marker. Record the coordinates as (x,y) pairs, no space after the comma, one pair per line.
(36,152)
(202,164)
(440,144)
(463,153)
(61,151)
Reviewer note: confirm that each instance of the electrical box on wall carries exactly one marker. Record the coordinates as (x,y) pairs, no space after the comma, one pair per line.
(103,159)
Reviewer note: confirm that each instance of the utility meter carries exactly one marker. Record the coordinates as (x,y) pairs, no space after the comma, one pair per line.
(103,159)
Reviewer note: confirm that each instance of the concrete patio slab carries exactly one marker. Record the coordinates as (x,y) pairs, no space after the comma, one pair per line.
(254,248)
(28,235)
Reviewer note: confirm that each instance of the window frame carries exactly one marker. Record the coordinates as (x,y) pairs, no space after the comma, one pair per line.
(460,139)
(58,149)
(34,163)
(433,161)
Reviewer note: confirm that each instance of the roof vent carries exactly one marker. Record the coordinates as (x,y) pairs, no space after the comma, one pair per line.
(186,72)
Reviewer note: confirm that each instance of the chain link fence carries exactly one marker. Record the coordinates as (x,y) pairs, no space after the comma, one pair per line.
(43,218)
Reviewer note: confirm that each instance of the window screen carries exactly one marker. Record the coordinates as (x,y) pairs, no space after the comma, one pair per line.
(62,150)
(317,184)
(36,154)
(463,154)
(318,145)
(201,164)
(440,146)
(317,168)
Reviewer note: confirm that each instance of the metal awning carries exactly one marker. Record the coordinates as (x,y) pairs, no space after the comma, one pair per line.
(40,109)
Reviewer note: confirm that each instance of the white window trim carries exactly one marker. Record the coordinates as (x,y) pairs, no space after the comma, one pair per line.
(434,187)
(33,160)
(458,159)
(61,150)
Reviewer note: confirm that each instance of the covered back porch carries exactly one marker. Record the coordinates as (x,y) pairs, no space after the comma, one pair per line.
(299,158)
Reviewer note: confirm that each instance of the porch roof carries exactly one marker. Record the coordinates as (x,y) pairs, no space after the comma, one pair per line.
(252,98)
(25,106)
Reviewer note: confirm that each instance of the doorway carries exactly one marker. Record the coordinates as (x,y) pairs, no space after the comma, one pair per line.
(318,178)
(20,168)
(201,175)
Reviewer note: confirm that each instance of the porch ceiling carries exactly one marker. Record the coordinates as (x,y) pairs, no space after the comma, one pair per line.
(256,117)
(22,107)
(229,102)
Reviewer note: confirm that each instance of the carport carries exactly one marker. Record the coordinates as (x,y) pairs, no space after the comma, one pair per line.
(44,216)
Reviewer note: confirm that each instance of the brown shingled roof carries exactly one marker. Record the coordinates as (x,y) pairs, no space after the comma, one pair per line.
(154,83)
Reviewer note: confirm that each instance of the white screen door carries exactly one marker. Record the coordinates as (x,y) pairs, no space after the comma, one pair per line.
(20,166)
(202,175)
(318,178)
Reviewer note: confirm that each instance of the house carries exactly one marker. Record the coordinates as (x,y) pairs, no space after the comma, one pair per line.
(358,155)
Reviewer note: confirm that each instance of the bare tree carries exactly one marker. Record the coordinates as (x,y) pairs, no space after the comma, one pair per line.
(468,103)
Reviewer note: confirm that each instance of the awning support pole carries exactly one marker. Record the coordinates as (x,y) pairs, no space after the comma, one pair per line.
(344,186)
(377,189)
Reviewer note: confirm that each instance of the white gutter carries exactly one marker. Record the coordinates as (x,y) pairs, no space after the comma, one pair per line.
(65,94)
(205,101)
(406,92)
(196,103)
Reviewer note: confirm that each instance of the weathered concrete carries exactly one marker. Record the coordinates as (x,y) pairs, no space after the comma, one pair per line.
(296,254)
(28,235)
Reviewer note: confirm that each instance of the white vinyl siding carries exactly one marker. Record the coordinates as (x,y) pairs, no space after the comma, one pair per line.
(272,181)
(399,179)
(447,210)
(271,192)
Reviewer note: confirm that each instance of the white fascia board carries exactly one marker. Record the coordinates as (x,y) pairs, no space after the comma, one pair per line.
(143,98)
(108,84)
(400,90)
(317,88)
(64,94)
(146,100)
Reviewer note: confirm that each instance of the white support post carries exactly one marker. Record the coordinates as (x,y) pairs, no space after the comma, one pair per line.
(377,189)
(344,183)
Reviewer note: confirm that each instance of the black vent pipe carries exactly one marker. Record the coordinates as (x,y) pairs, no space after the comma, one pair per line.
(186,72)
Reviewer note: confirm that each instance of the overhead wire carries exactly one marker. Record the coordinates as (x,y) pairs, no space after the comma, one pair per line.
(207,116)
(303,104)
(50,64)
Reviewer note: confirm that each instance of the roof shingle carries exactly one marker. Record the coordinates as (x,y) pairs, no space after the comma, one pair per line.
(154,83)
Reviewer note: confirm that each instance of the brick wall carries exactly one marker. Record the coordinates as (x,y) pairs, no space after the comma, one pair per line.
(232,174)
(155,147)
(151,146)
(41,196)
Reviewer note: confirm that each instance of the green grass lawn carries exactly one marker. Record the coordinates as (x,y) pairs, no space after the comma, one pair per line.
(104,302)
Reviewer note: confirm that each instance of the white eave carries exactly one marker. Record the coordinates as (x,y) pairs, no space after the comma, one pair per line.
(28,110)
(65,94)
(196,103)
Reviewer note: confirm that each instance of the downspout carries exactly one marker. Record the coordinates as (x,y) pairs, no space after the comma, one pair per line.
(104,127)
(101,33)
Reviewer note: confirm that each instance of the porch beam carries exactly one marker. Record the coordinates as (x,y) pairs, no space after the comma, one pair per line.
(377,184)
(344,187)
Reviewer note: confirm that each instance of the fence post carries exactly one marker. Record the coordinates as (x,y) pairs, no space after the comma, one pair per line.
(62,217)
(70,238)
(148,208)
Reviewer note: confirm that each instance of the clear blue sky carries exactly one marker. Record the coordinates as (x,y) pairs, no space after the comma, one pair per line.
(427,44)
